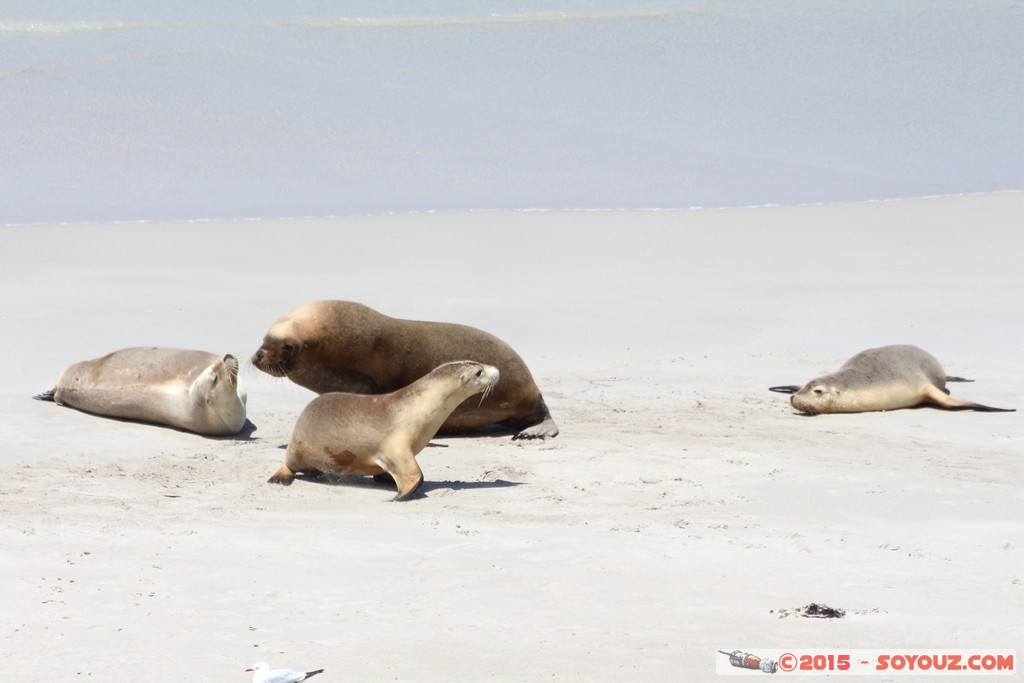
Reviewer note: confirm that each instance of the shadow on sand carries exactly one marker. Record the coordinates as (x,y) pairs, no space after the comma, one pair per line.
(385,483)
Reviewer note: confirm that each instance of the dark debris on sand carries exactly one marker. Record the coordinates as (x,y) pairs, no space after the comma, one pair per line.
(814,611)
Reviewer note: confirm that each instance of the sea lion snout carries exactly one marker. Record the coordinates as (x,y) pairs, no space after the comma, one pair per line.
(275,357)
(486,376)
(814,398)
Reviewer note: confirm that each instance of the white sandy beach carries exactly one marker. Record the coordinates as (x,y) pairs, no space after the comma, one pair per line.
(681,508)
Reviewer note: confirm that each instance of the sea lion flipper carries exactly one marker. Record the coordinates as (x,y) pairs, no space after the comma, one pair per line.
(547,429)
(957,379)
(46,396)
(787,389)
(283,476)
(983,408)
(406,490)
(939,397)
(405,470)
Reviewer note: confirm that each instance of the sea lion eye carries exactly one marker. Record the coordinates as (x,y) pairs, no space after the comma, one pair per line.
(289,351)
(479,372)
(819,391)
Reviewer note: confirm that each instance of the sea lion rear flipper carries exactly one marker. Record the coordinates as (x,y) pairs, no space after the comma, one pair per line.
(787,389)
(957,379)
(988,409)
(983,408)
(283,476)
(938,397)
(45,396)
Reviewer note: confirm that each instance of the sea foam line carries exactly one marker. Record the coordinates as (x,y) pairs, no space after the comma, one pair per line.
(60,27)
(479,19)
(539,209)
(44,27)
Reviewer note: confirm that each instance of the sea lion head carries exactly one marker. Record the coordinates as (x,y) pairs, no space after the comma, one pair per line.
(480,377)
(469,377)
(218,395)
(328,346)
(817,396)
(280,350)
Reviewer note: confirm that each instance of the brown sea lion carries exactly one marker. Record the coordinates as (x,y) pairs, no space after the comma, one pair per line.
(885,378)
(192,390)
(341,433)
(330,346)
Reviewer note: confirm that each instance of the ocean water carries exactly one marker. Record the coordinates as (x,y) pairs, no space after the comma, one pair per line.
(113,111)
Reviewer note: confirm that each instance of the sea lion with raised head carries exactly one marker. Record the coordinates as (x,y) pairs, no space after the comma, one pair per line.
(884,378)
(342,346)
(192,390)
(344,434)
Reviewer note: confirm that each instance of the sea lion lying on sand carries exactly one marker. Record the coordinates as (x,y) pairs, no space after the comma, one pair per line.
(885,378)
(192,390)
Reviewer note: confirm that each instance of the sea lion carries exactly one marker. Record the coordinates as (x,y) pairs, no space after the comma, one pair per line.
(192,390)
(342,434)
(885,378)
(330,346)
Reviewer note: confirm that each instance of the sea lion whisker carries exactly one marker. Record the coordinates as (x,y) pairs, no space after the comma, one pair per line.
(274,369)
(487,391)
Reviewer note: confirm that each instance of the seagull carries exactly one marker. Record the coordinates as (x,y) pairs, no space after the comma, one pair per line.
(263,674)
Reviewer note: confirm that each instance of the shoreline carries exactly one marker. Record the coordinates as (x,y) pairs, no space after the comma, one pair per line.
(542,210)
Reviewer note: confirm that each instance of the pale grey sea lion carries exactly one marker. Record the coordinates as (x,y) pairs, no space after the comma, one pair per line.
(883,378)
(192,390)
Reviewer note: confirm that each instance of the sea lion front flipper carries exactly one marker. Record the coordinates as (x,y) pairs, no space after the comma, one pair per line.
(405,470)
(938,397)
(787,389)
(957,379)
(545,430)
(46,396)
(406,490)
